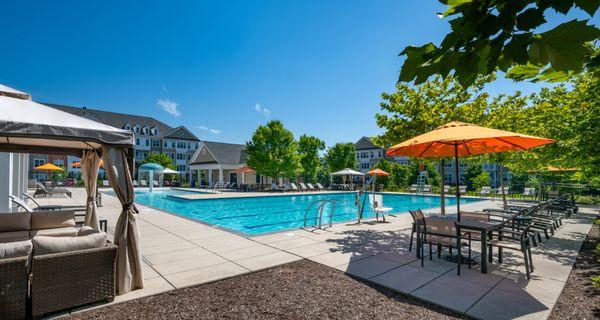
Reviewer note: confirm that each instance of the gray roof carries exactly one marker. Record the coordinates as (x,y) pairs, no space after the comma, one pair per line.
(181,132)
(225,153)
(365,143)
(119,120)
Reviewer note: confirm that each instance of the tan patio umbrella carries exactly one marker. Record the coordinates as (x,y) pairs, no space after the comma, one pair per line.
(457,139)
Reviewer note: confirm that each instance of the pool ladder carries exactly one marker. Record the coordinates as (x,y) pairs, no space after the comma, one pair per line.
(322,204)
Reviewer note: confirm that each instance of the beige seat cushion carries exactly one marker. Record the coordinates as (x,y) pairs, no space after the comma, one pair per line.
(15,249)
(48,245)
(87,230)
(12,236)
(17,221)
(55,232)
(52,219)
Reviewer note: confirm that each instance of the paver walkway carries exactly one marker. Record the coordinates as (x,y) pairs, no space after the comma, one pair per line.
(178,252)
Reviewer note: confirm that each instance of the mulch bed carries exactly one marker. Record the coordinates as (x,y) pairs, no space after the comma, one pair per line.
(580,299)
(299,290)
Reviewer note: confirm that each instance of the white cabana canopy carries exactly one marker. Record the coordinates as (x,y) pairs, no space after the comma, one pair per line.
(347,172)
(170,171)
(30,127)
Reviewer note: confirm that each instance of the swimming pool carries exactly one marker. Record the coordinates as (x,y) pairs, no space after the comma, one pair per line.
(265,214)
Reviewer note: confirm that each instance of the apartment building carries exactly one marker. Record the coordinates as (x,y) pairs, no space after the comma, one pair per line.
(151,136)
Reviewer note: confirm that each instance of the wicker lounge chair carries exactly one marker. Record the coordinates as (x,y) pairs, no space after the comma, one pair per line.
(66,280)
(13,288)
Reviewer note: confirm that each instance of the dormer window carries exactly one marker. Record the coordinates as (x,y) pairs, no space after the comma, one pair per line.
(136,129)
(154,131)
(127,126)
(146,130)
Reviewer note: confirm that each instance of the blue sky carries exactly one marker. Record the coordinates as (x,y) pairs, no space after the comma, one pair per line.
(221,68)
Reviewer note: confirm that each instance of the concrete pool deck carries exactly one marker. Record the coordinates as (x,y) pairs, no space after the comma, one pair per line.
(179,252)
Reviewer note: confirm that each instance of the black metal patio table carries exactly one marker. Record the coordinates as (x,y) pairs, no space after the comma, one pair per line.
(485,228)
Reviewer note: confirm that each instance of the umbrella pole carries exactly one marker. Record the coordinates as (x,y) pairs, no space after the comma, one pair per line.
(457,178)
(442,193)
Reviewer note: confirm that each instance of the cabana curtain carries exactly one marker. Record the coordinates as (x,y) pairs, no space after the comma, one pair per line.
(90,162)
(127,235)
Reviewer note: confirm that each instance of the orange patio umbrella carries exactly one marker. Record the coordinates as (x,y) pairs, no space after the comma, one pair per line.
(78,164)
(49,167)
(457,139)
(377,172)
(245,169)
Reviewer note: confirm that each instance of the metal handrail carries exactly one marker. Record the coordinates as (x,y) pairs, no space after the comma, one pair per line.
(320,209)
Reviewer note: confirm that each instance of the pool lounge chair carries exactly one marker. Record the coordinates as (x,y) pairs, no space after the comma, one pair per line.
(446,189)
(155,184)
(294,187)
(462,189)
(485,191)
(320,186)
(43,190)
(413,188)
(105,183)
(529,192)
(311,187)
(427,188)
(275,187)
(22,204)
(143,183)
(135,183)
(302,186)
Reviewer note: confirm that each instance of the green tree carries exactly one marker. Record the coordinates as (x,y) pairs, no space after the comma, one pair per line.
(273,151)
(308,151)
(340,156)
(481,180)
(414,110)
(506,35)
(160,158)
(472,171)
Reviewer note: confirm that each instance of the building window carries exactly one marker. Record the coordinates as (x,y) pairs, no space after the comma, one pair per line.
(155,143)
(173,144)
(189,157)
(166,144)
(154,131)
(146,130)
(136,129)
(147,142)
(38,162)
(59,162)
(257,178)
(137,141)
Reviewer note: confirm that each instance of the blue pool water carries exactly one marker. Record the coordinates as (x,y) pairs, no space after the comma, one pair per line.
(258,215)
